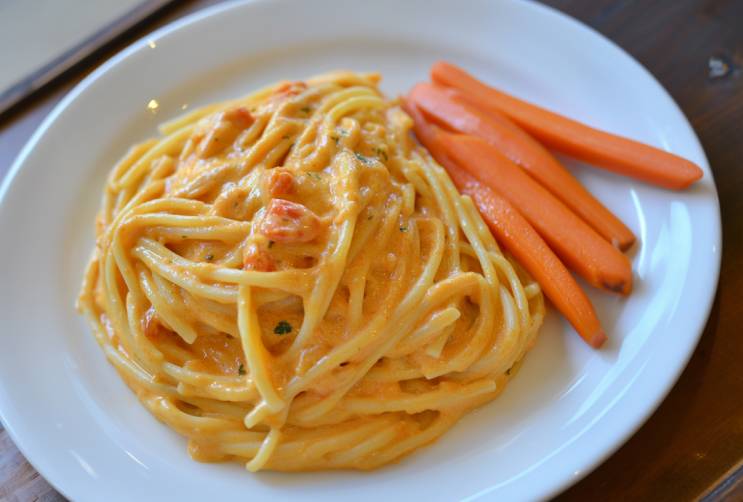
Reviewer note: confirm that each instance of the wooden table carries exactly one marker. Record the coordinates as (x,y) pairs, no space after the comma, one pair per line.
(692,447)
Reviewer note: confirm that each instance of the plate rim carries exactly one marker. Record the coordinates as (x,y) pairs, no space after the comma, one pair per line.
(47,470)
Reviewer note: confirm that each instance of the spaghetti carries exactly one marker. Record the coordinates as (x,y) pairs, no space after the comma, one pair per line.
(290,281)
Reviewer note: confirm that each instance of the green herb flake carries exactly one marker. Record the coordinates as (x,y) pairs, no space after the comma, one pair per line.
(335,138)
(209,257)
(184,236)
(342,132)
(314,176)
(365,160)
(403,229)
(282,328)
(241,369)
(305,109)
(382,154)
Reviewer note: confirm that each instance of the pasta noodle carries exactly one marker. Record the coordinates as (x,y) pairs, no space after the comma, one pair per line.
(290,281)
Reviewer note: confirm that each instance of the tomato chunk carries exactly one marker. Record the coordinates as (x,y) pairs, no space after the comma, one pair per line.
(240,117)
(287,221)
(281,182)
(225,127)
(152,326)
(290,88)
(258,259)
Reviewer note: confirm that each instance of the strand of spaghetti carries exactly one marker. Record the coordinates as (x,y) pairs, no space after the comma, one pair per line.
(465,223)
(400,448)
(382,337)
(343,94)
(255,352)
(350,105)
(339,354)
(435,350)
(144,379)
(167,145)
(371,443)
(131,157)
(150,356)
(480,334)
(382,232)
(253,133)
(351,102)
(250,332)
(218,392)
(192,227)
(195,115)
(349,349)
(449,213)
(339,244)
(208,314)
(167,411)
(199,378)
(356,276)
(435,324)
(347,79)
(353,436)
(468,220)
(207,181)
(451,262)
(356,286)
(265,451)
(494,361)
(321,444)
(515,286)
(218,409)
(438,399)
(115,304)
(291,281)
(173,317)
(224,294)
(172,205)
(403,322)
(393,370)
(415,177)
(168,264)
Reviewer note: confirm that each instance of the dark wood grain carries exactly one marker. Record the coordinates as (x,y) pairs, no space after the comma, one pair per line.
(692,447)
(729,487)
(19,482)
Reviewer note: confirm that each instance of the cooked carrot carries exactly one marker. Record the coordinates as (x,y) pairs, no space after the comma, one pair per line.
(521,240)
(610,151)
(447,107)
(577,244)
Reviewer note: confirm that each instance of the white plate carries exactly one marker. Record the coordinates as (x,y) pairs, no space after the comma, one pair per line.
(568,408)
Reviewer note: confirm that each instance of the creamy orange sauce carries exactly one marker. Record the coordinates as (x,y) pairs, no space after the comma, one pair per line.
(282,254)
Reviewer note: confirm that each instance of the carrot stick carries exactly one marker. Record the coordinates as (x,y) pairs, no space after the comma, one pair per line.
(577,244)
(610,151)
(449,108)
(521,240)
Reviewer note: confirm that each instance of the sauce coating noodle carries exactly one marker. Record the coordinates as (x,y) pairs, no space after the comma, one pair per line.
(289,280)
